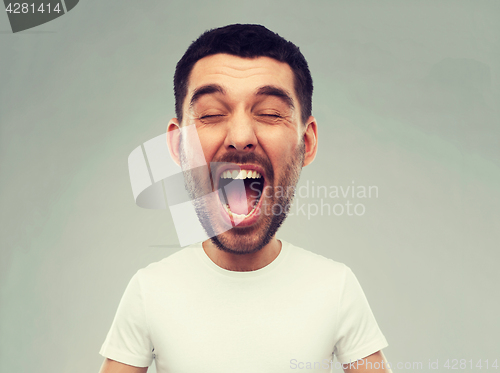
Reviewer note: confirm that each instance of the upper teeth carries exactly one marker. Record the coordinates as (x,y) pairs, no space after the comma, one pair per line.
(242,174)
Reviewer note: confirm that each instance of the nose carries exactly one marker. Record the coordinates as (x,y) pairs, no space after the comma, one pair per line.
(241,133)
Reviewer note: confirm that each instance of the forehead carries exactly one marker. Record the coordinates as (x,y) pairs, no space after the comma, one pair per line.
(241,74)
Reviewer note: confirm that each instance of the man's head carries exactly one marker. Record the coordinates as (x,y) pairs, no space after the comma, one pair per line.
(247,41)
(246,103)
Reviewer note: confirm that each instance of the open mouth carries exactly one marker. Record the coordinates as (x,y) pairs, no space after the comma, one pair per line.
(240,191)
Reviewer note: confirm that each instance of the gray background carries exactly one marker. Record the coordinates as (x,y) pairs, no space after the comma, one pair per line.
(406,97)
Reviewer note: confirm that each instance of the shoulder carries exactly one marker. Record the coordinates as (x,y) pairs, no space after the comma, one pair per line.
(312,264)
(169,268)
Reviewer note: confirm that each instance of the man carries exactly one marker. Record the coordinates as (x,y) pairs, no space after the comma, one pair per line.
(243,301)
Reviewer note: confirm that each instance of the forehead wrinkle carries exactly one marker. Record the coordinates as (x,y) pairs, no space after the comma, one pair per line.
(212,69)
(234,66)
(243,74)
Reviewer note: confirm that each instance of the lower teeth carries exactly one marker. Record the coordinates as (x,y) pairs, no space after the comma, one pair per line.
(239,216)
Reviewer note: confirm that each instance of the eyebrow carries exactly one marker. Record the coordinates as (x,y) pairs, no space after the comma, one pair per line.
(270,90)
(205,90)
(267,90)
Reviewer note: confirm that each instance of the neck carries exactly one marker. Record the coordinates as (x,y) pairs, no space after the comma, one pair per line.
(243,262)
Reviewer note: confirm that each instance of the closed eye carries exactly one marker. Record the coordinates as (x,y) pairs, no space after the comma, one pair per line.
(211,116)
(271,115)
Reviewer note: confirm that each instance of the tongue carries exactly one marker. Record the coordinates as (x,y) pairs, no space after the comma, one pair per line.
(237,197)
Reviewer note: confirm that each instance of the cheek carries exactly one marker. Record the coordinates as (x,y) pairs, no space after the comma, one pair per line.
(209,151)
(211,145)
(279,147)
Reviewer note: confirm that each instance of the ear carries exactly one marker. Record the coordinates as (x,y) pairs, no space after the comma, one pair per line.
(174,139)
(310,140)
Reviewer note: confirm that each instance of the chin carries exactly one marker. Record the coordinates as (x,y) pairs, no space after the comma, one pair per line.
(239,244)
(248,240)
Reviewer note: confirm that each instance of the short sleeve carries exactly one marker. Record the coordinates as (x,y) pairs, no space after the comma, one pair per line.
(358,333)
(128,341)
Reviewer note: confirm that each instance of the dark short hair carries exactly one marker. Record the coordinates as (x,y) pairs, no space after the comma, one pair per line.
(247,41)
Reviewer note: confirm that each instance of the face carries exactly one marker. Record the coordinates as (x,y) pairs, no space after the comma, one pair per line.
(247,118)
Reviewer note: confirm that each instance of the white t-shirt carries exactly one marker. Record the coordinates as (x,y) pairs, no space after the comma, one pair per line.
(194,316)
